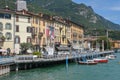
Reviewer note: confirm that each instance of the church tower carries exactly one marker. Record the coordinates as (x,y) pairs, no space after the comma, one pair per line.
(21,5)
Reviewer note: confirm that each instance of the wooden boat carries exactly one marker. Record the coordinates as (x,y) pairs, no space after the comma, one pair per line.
(88,62)
(110,57)
(101,60)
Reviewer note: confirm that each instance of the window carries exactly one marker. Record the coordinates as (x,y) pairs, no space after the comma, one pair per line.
(29,40)
(44,31)
(1,34)
(80,42)
(74,41)
(1,26)
(37,20)
(33,29)
(17,18)
(33,19)
(7,16)
(8,36)
(80,36)
(74,34)
(29,29)
(17,39)
(1,15)
(28,20)
(8,26)
(43,23)
(17,28)
(36,30)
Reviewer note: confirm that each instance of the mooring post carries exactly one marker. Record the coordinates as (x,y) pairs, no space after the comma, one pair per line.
(17,66)
(67,62)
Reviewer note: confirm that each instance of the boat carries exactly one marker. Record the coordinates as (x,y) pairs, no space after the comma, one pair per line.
(100,60)
(110,57)
(88,62)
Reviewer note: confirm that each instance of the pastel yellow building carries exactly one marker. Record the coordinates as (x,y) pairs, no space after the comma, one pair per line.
(36,39)
(77,35)
(62,31)
(115,44)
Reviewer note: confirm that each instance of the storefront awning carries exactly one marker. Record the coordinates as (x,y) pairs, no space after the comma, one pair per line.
(63,48)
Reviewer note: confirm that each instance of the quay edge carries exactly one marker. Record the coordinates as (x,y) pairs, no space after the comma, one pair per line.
(25,64)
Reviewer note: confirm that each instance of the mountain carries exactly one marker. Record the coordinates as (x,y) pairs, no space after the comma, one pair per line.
(79,13)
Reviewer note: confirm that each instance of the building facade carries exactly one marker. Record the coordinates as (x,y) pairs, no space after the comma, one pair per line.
(7,22)
(23,29)
(41,30)
(77,35)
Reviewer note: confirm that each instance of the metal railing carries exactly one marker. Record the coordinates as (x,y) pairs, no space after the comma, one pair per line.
(31,58)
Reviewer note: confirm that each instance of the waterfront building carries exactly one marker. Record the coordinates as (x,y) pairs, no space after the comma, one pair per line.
(36,31)
(15,27)
(88,42)
(77,35)
(62,30)
(7,22)
(115,44)
(41,30)
(23,29)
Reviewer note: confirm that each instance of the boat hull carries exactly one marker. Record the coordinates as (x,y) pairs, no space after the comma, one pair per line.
(101,60)
(87,63)
(111,57)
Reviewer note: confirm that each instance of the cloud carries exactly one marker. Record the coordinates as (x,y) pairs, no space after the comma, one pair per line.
(117,8)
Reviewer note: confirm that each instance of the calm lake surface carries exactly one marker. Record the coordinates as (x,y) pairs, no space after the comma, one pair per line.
(106,71)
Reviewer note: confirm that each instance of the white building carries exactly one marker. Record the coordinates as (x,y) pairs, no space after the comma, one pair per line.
(15,28)
(7,29)
(23,30)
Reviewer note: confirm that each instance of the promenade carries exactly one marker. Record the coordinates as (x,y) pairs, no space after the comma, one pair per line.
(20,62)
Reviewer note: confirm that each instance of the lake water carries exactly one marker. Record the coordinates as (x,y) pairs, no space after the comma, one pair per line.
(106,71)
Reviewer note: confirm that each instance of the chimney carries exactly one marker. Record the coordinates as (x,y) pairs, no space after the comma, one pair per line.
(6,8)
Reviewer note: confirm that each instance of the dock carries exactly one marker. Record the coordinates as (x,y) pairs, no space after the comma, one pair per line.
(5,65)
(23,62)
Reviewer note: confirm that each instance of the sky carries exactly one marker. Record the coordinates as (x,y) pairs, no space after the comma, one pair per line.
(109,9)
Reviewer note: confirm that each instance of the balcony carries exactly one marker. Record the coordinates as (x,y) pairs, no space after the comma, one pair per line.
(34,34)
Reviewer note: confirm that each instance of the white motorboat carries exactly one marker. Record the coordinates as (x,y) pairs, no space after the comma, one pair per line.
(111,56)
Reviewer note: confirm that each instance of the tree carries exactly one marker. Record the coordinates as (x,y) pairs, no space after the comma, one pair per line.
(25,47)
(39,54)
(2,38)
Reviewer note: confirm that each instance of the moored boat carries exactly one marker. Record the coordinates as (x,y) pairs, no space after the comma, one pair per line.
(101,60)
(110,57)
(88,62)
